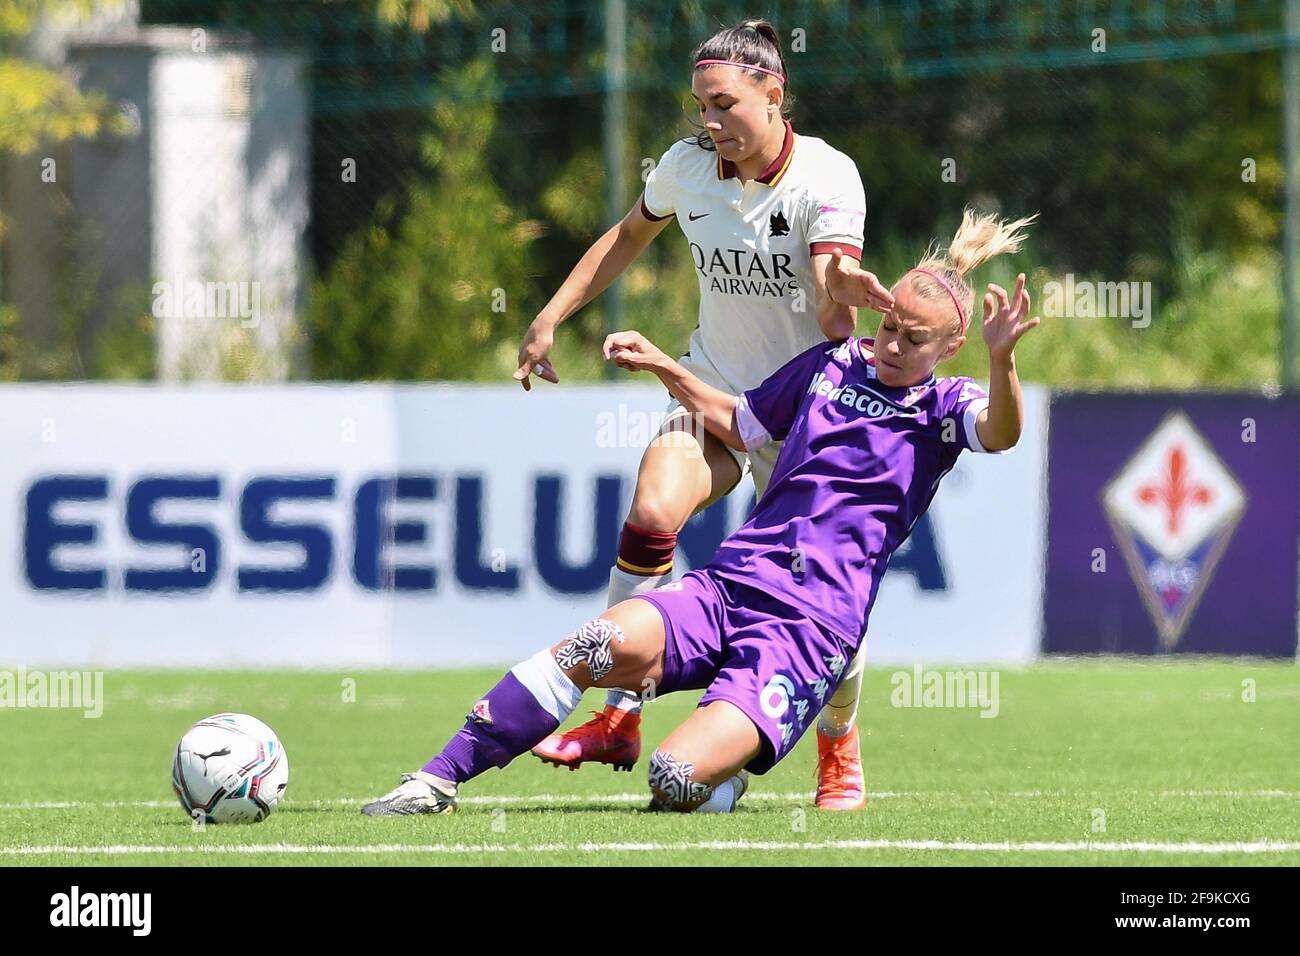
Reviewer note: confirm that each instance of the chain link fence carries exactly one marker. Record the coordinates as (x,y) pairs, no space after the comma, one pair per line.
(453,166)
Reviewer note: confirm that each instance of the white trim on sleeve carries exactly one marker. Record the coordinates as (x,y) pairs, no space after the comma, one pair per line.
(752,432)
(972,436)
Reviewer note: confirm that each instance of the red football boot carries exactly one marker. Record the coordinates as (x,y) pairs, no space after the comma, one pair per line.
(840,785)
(613,736)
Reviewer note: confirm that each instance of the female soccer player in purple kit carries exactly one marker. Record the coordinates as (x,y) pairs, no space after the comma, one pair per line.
(761,208)
(767,627)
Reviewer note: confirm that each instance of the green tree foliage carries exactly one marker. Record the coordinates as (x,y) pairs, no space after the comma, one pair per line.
(10,369)
(439,285)
(1135,167)
(39,105)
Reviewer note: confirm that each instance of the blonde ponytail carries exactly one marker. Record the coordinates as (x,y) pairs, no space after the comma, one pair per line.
(979,238)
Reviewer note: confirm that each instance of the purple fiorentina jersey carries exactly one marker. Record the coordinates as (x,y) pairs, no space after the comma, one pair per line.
(860,464)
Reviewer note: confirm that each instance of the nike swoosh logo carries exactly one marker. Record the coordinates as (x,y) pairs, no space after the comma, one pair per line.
(692,217)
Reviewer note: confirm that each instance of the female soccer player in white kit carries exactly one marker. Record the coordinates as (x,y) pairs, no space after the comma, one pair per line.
(762,209)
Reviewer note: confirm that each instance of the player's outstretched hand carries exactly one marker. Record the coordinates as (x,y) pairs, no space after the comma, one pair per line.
(1004,318)
(634,352)
(534,355)
(850,285)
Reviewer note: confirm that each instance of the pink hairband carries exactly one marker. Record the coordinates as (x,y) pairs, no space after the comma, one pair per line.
(747,66)
(961,314)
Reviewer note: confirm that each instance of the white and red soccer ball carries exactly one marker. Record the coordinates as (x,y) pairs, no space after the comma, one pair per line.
(230,768)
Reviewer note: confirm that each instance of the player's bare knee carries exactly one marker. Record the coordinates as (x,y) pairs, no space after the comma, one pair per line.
(594,645)
(655,512)
(673,785)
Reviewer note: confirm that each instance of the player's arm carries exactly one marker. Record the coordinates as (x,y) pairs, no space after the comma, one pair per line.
(836,321)
(848,284)
(607,259)
(835,232)
(999,425)
(715,408)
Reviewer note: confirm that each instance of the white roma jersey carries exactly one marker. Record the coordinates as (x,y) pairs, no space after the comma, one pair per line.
(753,247)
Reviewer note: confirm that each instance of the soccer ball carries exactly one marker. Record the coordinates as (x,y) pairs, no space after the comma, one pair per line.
(230,768)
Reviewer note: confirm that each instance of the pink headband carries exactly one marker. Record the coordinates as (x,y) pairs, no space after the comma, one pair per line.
(747,66)
(939,279)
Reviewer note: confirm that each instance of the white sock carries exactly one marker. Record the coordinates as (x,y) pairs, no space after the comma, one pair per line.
(441,784)
(723,799)
(550,686)
(624,700)
(840,711)
(622,586)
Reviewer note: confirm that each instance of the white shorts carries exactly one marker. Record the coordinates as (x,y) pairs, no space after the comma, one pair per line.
(760,463)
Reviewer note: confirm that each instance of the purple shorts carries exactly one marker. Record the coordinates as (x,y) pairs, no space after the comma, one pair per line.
(751,650)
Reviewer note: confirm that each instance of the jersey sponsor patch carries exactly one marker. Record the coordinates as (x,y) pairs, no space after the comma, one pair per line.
(732,271)
(860,398)
(839,219)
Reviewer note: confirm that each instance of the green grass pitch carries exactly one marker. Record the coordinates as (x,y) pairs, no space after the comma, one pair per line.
(1108,761)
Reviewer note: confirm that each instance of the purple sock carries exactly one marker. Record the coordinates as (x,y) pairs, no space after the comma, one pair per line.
(506,722)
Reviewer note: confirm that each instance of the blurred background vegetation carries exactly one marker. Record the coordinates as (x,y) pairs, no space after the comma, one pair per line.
(479,170)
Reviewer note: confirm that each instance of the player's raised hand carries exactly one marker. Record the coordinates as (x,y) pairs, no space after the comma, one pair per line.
(849,284)
(534,355)
(634,352)
(1005,318)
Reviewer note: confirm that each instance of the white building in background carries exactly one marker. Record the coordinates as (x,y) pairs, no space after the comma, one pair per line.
(197,216)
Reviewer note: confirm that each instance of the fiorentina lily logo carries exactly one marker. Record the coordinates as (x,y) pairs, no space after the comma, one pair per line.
(914,393)
(1173,508)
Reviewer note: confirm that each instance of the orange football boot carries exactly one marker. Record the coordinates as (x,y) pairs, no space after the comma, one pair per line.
(840,785)
(613,736)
